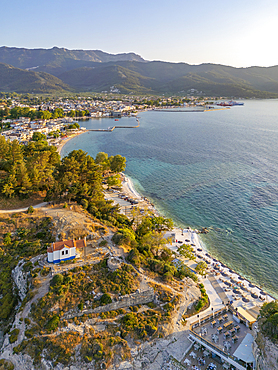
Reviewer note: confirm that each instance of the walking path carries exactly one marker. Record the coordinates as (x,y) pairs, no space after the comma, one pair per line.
(218,289)
(23,209)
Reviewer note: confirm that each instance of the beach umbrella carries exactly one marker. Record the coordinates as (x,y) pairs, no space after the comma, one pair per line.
(254,295)
(240,278)
(263,293)
(251,285)
(245,299)
(199,249)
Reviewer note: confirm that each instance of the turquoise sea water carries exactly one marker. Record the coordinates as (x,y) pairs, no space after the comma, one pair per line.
(217,169)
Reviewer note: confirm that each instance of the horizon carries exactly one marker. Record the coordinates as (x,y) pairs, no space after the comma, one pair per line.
(238,33)
(134,52)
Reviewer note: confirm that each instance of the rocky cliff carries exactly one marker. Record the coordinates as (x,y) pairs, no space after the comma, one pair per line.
(265,351)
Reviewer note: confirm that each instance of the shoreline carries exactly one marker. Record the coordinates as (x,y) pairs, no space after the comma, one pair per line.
(215,266)
(129,189)
(64,141)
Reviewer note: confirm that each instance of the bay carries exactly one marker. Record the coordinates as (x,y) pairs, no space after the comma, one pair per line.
(215,169)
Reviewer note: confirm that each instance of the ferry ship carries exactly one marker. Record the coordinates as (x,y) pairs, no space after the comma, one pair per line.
(229,103)
(235,102)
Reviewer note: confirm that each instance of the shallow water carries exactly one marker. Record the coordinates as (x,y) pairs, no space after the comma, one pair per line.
(216,169)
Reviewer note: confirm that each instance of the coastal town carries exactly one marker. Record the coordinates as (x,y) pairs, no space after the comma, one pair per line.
(56,115)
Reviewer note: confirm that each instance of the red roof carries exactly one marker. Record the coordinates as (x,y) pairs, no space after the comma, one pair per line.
(81,243)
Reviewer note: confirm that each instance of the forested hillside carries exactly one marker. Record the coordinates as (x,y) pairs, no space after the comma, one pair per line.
(59,69)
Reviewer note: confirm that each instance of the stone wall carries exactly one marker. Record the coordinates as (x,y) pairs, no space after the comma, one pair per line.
(126,301)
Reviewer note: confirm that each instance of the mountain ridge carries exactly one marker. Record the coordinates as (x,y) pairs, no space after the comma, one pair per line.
(95,70)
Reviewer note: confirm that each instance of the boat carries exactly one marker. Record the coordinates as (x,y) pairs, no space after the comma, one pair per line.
(224,104)
(229,103)
(235,102)
(116,120)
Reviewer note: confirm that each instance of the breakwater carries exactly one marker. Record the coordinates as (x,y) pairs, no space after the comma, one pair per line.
(179,110)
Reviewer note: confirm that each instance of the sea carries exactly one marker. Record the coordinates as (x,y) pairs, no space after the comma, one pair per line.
(216,169)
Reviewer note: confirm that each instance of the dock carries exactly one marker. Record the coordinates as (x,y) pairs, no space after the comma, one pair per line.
(110,129)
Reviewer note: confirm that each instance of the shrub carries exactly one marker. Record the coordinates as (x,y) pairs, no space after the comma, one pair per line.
(105,299)
(88,359)
(103,243)
(85,205)
(98,355)
(151,305)
(133,308)
(6,365)
(13,335)
(53,323)
(27,321)
(45,271)
(57,280)
(30,209)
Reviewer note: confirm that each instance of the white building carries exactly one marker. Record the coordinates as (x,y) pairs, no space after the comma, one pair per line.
(64,250)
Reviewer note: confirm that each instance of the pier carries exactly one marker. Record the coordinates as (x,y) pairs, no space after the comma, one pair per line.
(204,109)
(179,110)
(110,129)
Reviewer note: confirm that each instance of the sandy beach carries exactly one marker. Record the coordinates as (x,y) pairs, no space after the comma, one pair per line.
(68,138)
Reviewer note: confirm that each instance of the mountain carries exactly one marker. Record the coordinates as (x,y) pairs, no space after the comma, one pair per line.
(172,78)
(101,78)
(57,69)
(21,81)
(58,60)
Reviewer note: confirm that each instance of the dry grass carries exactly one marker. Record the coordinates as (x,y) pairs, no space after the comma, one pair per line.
(16,203)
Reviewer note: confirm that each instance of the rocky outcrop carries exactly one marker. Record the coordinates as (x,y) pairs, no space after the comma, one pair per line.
(20,279)
(265,351)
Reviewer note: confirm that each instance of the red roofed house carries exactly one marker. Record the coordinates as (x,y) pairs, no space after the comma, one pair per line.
(64,250)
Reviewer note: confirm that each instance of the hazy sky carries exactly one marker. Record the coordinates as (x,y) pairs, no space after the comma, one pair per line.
(240,33)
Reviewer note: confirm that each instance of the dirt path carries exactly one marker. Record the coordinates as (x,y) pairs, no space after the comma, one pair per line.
(40,205)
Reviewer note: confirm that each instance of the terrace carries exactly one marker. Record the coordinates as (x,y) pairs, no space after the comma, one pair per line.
(225,338)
